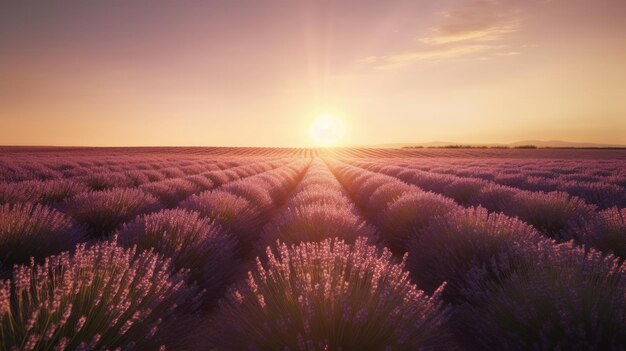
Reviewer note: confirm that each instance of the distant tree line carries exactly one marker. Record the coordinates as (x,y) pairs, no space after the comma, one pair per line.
(461,146)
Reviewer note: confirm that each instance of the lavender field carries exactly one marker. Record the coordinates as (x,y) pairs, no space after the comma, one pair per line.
(312,249)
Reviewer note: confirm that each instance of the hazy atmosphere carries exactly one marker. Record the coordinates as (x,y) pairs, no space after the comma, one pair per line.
(312,175)
(257,73)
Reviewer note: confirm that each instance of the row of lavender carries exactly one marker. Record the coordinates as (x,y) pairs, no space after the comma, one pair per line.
(141,288)
(556,214)
(508,286)
(133,174)
(27,167)
(169,184)
(402,315)
(325,282)
(322,292)
(20,164)
(600,182)
(586,170)
(73,218)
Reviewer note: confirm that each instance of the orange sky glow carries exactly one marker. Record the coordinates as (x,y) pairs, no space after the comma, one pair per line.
(259,72)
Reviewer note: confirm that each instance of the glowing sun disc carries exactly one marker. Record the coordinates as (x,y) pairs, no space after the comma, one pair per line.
(327,130)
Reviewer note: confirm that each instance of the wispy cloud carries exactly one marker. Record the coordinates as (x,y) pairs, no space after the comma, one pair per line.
(490,33)
(473,27)
(480,20)
(436,53)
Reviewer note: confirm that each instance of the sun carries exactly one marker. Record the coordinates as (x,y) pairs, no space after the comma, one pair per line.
(327,130)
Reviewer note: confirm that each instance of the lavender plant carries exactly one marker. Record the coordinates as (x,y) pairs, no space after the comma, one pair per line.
(316,222)
(255,192)
(100,298)
(384,195)
(170,192)
(606,232)
(103,211)
(464,240)
(29,230)
(565,299)
(551,213)
(234,213)
(329,296)
(403,218)
(190,241)
(494,197)
(37,191)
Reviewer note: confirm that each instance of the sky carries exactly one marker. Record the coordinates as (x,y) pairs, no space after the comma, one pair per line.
(259,72)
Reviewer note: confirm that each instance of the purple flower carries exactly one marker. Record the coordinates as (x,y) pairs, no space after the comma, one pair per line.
(463,241)
(328,295)
(192,242)
(37,231)
(463,189)
(316,222)
(103,211)
(230,211)
(384,195)
(103,297)
(551,212)
(252,191)
(37,191)
(411,212)
(605,232)
(560,297)
(170,192)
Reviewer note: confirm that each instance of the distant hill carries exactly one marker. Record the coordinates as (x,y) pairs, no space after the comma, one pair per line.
(560,143)
(537,143)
